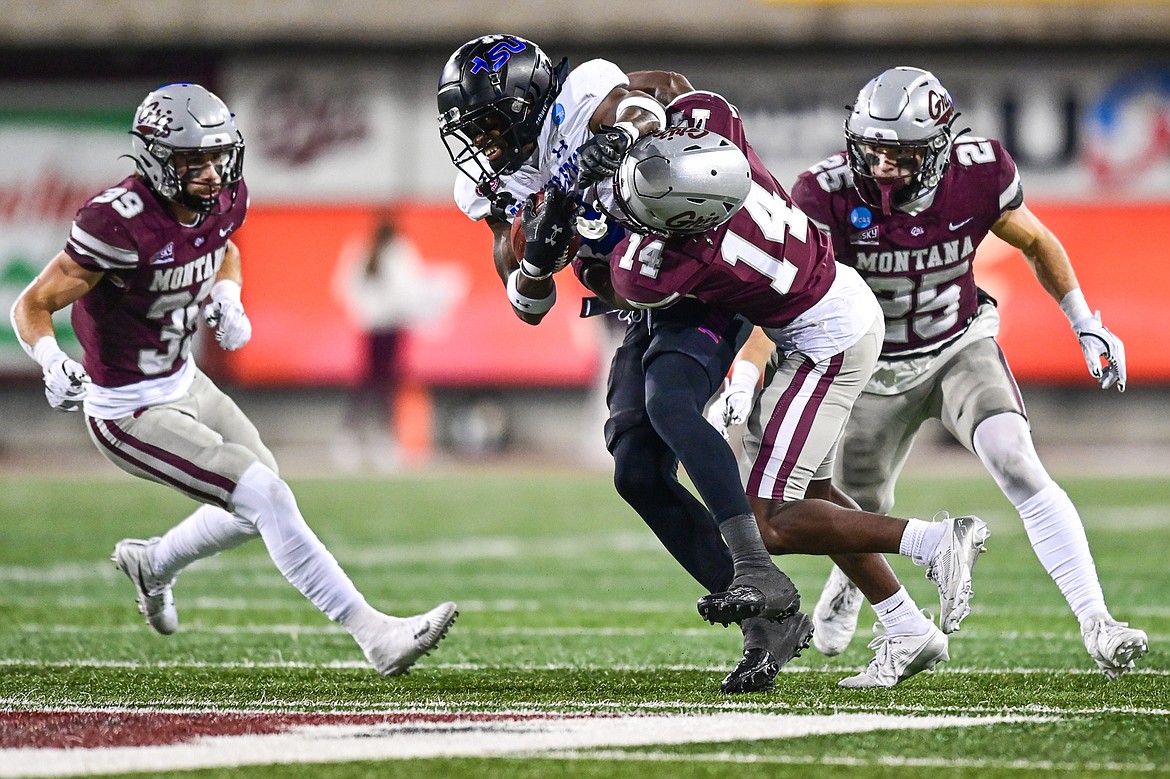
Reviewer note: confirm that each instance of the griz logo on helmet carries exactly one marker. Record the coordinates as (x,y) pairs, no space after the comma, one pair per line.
(690,222)
(681,131)
(154,120)
(940,107)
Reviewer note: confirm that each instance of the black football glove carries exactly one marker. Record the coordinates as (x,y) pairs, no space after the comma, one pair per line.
(548,229)
(601,155)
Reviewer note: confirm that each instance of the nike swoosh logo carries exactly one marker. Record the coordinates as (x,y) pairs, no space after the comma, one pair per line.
(224,231)
(956,226)
(422,631)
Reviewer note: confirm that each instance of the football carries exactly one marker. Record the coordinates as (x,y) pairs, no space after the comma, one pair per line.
(519,242)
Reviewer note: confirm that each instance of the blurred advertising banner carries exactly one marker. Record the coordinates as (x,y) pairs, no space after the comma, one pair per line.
(54,159)
(304,335)
(1121,261)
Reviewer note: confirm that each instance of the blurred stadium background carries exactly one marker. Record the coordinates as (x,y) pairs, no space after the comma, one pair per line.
(336,103)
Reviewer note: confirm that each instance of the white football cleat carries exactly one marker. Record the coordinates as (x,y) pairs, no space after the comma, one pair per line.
(156,601)
(951,568)
(1114,645)
(835,617)
(899,657)
(394,644)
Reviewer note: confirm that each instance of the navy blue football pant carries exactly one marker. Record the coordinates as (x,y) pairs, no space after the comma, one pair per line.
(662,375)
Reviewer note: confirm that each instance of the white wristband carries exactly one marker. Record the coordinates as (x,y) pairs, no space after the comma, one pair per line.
(646,104)
(225,289)
(526,304)
(46,351)
(744,375)
(1075,308)
(629,129)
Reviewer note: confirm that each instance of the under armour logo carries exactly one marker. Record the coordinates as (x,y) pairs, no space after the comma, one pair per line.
(554,232)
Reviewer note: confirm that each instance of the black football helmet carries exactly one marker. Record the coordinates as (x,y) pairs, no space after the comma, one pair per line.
(179,121)
(494,95)
(907,110)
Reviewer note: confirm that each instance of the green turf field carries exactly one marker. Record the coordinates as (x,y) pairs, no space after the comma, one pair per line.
(568,605)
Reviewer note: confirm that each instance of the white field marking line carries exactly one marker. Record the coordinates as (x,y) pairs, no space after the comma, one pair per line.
(577,707)
(528,667)
(463,738)
(508,605)
(884,761)
(972,635)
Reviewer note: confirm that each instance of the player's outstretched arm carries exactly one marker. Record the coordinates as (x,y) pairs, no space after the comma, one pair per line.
(1104,352)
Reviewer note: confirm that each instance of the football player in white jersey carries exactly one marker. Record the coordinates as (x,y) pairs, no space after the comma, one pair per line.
(142,258)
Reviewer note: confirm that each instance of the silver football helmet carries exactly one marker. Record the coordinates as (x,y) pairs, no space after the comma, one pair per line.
(907,112)
(681,180)
(178,120)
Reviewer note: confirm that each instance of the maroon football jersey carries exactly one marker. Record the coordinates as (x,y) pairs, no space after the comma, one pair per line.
(919,267)
(767,263)
(137,323)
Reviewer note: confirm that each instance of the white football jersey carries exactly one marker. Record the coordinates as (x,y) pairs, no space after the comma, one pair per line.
(565,129)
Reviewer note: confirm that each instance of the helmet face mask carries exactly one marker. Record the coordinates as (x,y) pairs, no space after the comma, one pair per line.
(899,138)
(494,95)
(681,181)
(186,146)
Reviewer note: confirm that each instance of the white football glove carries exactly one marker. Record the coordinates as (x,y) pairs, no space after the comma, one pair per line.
(226,315)
(66,383)
(734,404)
(1104,352)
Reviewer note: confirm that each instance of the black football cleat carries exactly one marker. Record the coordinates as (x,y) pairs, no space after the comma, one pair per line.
(756,672)
(771,595)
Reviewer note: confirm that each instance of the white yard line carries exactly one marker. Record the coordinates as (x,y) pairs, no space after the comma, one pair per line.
(498,736)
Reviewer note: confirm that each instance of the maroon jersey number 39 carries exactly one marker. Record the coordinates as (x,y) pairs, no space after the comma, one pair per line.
(137,323)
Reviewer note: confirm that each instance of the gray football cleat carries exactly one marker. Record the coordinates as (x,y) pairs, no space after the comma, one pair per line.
(155,599)
(835,617)
(898,657)
(394,644)
(1114,645)
(952,566)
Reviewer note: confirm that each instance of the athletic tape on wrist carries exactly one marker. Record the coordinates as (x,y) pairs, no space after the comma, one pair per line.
(532,272)
(646,104)
(1075,308)
(46,351)
(526,304)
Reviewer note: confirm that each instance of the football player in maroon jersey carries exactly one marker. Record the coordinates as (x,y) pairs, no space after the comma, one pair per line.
(516,124)
(141,259)
(712,224)
(906,204)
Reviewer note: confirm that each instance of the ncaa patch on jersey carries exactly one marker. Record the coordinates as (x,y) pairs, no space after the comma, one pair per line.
(861,217)
(558,113)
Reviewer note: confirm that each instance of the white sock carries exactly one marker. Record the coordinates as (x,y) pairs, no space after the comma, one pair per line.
(267,501)
(208,531)
(1058,537)
(920,540)
(900,615)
